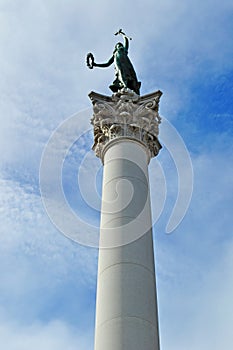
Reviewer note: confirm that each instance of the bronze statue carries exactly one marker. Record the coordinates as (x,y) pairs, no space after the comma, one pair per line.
(124,71)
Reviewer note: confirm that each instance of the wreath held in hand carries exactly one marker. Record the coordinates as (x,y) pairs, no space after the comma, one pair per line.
(90,60)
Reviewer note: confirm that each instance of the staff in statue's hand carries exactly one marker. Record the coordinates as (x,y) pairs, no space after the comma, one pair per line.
(120,32)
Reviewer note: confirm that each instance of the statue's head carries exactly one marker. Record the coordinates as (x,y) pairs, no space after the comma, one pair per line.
(118,46)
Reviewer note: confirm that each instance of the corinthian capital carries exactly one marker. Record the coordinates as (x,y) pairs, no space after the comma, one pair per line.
(127,115)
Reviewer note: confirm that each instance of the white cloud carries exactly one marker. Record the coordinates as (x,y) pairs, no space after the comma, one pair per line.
(55,335)
(24,223)
(38,264)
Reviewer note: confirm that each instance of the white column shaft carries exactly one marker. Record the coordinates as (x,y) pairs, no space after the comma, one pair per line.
(126,306)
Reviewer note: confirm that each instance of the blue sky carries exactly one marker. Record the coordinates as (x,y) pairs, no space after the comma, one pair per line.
(48,282)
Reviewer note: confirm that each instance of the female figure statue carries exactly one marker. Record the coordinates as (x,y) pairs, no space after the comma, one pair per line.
(124,71)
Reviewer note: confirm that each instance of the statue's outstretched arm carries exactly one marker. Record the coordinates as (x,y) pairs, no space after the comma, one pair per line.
(91,62)
(103,65)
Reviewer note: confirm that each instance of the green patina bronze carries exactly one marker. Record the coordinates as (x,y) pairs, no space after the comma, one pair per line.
(124,71)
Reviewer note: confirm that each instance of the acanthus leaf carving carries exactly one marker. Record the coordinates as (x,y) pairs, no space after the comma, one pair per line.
(126,114)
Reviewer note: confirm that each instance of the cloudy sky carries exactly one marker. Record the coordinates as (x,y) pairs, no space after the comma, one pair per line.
(48,281)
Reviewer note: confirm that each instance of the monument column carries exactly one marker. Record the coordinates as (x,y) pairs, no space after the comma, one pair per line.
(125,138)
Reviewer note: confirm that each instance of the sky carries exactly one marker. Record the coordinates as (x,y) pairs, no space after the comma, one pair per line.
(48,280)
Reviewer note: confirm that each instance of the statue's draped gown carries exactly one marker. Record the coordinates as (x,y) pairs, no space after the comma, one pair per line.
(125,73)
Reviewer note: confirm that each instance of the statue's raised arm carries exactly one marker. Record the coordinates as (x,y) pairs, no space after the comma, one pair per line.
(126,38)
(125,74)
